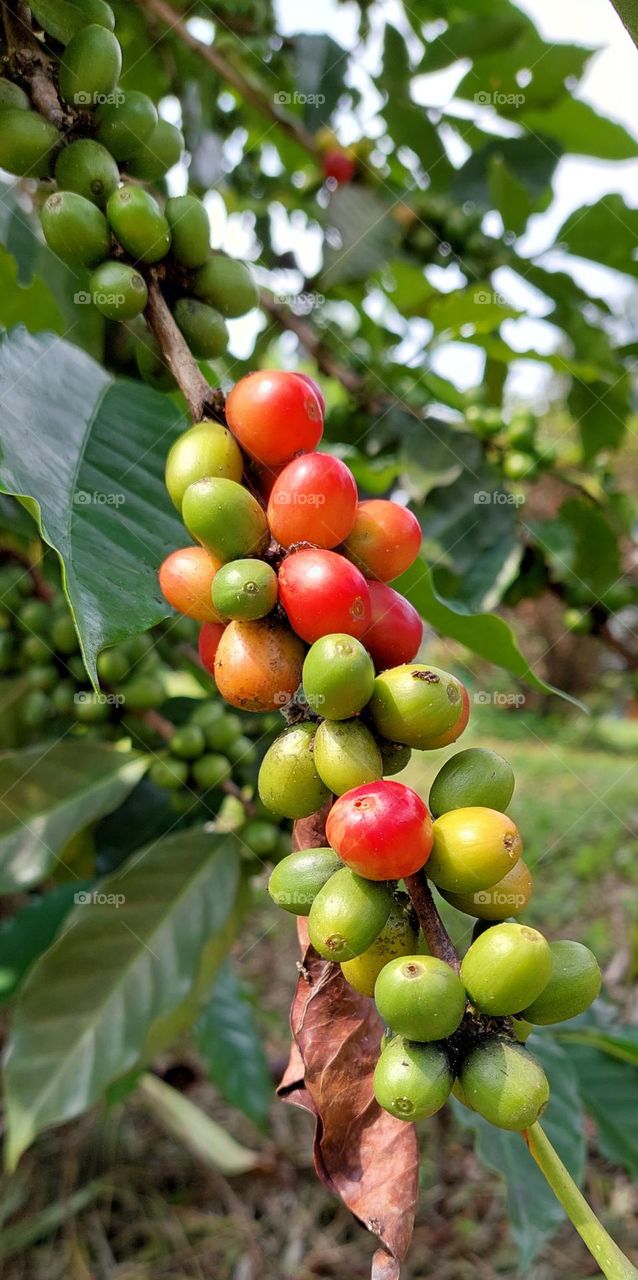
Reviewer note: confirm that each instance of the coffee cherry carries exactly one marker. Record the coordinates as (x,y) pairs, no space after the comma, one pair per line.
(288,782)
(169,773)
(242,751)
(88,169)
(338,676)
(420,997)
(63,697)
(118,291)
(91,708)
(339,165)
(75,229)
(222,732)
(34,616)
(506,968)
(347,915)
(186,578)
(64,636)
(188,742)
(112,665)
(205,450)
(412,1081)
(34,709)
(34,649)
(274,415)
(398,937)
(190,232)
(508,897)
(396,630)
(12,97)
(7,652)
(522,1030)
(123,126)
(161,151)
(384,540)
(504,1084)
(90,66)
(473,849)
(297,879)
(142,693)
(64,19)
(314,386)
(574,984)
(27,143)
(227,285)
(258,665)
(314,499)
(472,777)
(346,755)
(394,755)
(42,676)
(138,224)
(203,327)
(226,518)
(245,590)
(420,706)
(211,770)
(382,830)
(151,364)
(208,644)
(322,593)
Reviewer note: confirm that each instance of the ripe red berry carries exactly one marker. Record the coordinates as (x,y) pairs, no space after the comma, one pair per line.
(208,643)
(322,593)
(186,578)
(314,499)
(339,165)
(385,539)
(382,830)
(274,415)
(316,388)
(396,629)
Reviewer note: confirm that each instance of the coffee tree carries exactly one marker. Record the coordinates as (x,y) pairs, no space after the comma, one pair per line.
(221,541)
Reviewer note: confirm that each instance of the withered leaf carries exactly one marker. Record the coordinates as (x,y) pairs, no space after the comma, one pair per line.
(362,1154)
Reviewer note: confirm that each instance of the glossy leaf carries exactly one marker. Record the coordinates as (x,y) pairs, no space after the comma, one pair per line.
(29,933)
(231,1046)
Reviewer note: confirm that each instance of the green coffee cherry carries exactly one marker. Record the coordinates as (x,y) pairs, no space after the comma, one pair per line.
(420,997)
(398,937)
(63,697)
(91,708)
(88,169)
(143,693)
(11,95)
(262,838)
(34,649)
(118,291)
(346,755)
(288,783)
(64,636)
(207,713)
(298,878)
(75,665)
(90,66)
(473,849)
(159,153)
(169,773)
(222,732)
(412,1081)
(522,1029)
(42,676)
(190,231)
(138,224)
(347,915)
(506,968)
(504,1084)
(7,651)
(242,751)
(338,676)
(395,756)
(151,364)
(508,897)
(203,327)
(472,777)
(27,143)
(211,770)
(418,705)
(245,590)
(206,450)
(62,19)
(225,518)
(227,285)
(34,616)
(35,709)
(112,665)
(123,126)
(188,742)
(75,229)
(574,984)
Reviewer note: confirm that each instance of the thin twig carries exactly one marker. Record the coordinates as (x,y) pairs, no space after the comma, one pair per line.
(201,398)
(32,65)
(434,931)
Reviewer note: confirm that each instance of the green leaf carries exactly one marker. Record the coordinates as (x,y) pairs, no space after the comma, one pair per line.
(232,1048)
(30,932)
(367,233)
(534,1211)
(50,792)
(496,78)
(581,547)
(509,196)
(578,128)
(125,977)
(529,159)
(602,413)
(477,305)
(97,477)
(608,1087)
(482,633)
(319,71)
(471,37)
(605,232)
(191,1126)
(31,304)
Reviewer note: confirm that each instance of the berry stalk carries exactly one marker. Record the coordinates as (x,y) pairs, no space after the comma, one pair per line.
(434,931)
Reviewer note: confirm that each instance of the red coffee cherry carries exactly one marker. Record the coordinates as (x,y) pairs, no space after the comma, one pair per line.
(208,644)
(274,415)
(382,830)
(396,629)
(339,165)
(186,579)
(314,499)
(385,539)
(316,388)
(323,593)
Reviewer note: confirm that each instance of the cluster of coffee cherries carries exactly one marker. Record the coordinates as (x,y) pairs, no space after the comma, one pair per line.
(110,228)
